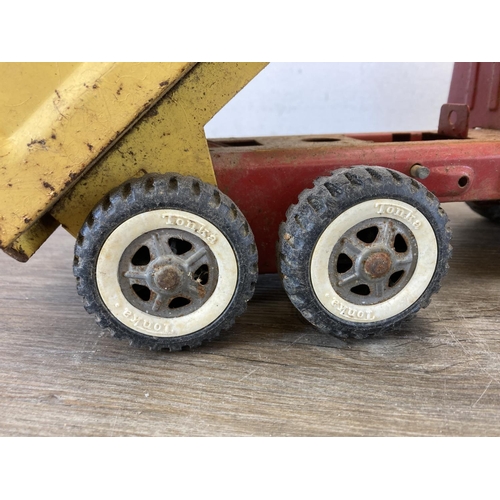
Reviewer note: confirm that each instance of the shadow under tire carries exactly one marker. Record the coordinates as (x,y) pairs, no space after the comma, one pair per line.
(363,250)
(165,261)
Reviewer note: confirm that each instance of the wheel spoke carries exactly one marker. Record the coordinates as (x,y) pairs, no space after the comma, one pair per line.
(349,278)
(386,234)
(378,289)
(194,290)
(403,262)
(138,274)
(350,248)
(157,303)
(193,262)
(159,247)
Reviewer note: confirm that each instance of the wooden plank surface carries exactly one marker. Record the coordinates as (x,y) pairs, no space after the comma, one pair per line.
(273,374)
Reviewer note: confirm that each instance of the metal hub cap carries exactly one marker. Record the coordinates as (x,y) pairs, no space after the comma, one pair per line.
(168,273)
(167,278)
(373,261)
(377,265)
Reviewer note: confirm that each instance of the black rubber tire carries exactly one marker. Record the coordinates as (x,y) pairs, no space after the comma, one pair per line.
(318,207)
(155,192)
(488,209)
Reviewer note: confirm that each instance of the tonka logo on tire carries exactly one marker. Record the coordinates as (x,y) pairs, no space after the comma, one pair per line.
(189,224)
(352,312)
(398,211)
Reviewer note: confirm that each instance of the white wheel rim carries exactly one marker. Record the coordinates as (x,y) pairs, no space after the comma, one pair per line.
(422,275)
(148,324)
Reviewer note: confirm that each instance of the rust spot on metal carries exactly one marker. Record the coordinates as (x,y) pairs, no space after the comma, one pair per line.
(168,278)
(201,290)
(19,255)
(9,185)
(378,265)
(152,112)
(72,176)
(35,141)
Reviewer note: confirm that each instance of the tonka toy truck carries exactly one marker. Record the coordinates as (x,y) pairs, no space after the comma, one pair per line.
(165,253)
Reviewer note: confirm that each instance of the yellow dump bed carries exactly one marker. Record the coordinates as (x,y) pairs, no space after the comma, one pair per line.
(57,118)
(58,121)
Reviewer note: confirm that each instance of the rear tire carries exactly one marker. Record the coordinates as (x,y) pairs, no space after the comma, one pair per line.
(488,209)
(363,250)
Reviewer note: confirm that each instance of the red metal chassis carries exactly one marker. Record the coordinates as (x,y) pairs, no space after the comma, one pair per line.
(265,175)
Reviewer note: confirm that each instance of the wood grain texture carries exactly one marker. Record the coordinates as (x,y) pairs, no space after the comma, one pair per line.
(272,375)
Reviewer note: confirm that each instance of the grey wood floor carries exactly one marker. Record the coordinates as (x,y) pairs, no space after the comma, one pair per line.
(272,375)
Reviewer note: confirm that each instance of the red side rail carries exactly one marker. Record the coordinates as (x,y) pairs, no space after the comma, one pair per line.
(264,176)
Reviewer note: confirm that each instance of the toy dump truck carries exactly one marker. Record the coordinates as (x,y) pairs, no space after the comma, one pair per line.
(168,225)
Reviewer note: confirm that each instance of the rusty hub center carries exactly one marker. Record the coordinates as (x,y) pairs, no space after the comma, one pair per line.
(378,265)
(168,278)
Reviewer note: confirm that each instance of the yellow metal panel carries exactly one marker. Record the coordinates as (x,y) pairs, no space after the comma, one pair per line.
(24,86)
(48,141)
(32,239)
(170,138)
